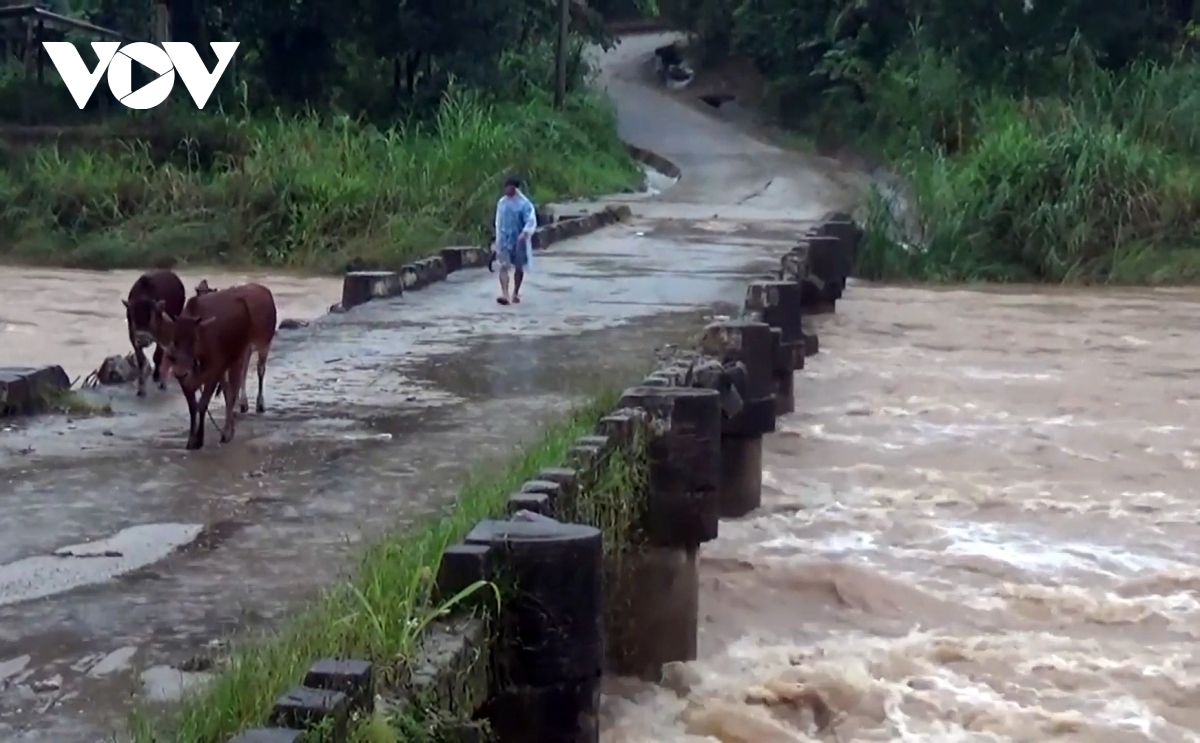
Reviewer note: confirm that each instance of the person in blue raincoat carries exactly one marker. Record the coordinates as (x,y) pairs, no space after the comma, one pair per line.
(516,221)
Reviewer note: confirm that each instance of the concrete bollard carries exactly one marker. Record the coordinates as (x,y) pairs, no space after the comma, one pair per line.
(654,611)
(354,678)
(796,266)
(779,304)
(360,287)
(830,260)
(750,345)
(843,227)
(302,708)
(812,344)
(683,453)
(549,657)
(452,258)
(783,371)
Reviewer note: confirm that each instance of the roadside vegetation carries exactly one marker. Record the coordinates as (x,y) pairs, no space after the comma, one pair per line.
(381,612)
(1033,141)
(362,133)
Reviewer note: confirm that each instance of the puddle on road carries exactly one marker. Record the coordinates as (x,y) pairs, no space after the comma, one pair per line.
(75,318)
(93,562)
(978,526)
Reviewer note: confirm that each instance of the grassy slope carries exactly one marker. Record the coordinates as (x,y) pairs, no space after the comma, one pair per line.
(1098,184)
(299,194)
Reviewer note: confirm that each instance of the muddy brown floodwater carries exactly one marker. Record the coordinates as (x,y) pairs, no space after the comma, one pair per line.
(75,318)
(979,525)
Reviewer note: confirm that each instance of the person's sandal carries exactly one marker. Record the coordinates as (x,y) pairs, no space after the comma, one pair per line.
(516,299)
(501,300)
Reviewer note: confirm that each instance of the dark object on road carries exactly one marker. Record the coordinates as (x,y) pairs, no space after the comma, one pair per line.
(154,294)
(669,55)
(214,337)
(204,288)
(114,370)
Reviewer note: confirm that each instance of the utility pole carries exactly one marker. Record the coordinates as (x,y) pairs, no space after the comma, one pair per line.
(560,54)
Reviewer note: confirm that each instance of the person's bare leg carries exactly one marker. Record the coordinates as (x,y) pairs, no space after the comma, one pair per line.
(518,277)
(503,298)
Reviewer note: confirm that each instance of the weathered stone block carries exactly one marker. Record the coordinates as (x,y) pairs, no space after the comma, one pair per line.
(450,672)
(585,457)
(304,708)
(535,502)
(778,304)
(567,479)
(432,269)
(545,487)
(462,566)
(475,257)
(30,390)
(453,259)
(745,341)
(622,426)
(604,443)
(360,287)
(354,678)
(812,346)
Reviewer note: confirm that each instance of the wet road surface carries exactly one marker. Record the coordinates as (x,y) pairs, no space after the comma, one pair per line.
(979,525)
(121,554)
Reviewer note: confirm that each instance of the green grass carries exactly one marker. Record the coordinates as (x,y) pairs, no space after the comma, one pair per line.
(1094,181)
(382,610)
(299,193)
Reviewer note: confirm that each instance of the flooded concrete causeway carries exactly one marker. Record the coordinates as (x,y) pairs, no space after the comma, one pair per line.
(122,555)
(976,525)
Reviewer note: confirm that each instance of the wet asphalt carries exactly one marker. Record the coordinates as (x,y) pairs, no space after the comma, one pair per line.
(122,555)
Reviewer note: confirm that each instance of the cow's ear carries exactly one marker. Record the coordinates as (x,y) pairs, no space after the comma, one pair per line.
(125,302)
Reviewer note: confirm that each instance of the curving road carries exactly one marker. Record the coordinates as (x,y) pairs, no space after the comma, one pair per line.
(372,417)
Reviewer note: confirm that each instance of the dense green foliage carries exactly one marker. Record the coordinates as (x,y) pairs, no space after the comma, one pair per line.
(368,132)
(1055,140)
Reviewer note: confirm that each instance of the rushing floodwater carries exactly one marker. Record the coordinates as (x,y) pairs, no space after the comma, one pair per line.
(75,318)
(979,525)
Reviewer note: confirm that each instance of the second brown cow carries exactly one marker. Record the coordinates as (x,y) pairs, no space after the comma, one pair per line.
(212,342)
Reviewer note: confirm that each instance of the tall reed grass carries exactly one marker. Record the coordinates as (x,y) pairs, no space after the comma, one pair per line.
(301,193)
(1098,182)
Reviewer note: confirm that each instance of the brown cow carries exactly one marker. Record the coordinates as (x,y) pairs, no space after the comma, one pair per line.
(154,294)
(214,337)
(265,334)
